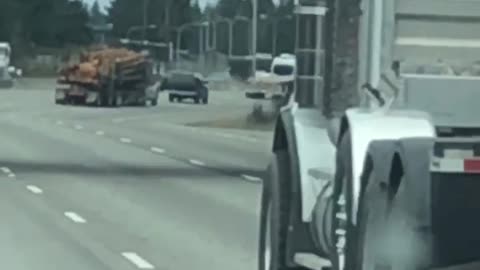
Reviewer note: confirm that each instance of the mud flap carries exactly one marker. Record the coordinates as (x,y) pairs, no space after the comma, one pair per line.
(394,217)
(372,208)
(410,238)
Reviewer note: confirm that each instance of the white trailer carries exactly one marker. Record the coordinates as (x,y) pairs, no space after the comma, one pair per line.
(376,157)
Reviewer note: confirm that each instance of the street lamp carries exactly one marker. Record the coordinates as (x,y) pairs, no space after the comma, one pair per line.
(145,18)
(230,33)
(254,36)
(275,32)
(203,42)
(247,20)
(139,27)
(180,30)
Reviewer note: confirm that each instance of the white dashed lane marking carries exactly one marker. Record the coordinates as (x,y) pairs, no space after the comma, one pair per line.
(100,133)
(196,162)
(75,217)
(35,189)
(251,178)
(157,150)
(11,175)
(118,120)
(78,127)
(138,261)
(59,123)
(226,135)
(125,140)
(5,170)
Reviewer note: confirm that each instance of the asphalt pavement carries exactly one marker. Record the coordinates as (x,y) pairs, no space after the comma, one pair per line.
(127,188)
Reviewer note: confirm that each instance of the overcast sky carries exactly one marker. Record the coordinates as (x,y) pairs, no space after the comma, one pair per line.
(104,3)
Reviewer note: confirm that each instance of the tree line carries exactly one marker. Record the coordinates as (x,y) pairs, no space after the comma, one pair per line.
(44,23)
(168,15)
(29,24)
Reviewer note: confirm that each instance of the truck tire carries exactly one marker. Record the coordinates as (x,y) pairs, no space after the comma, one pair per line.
(171,98)
(196,100)
(99,100)
(118,100)
(274,215)
(154,101)
(205,95)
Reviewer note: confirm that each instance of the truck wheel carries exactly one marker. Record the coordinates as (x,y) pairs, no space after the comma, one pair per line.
(274,216)
(196,100)
(99,101)
(118,100)
(154,102)
(171,98)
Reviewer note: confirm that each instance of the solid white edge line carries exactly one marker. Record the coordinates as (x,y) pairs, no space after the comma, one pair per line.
(35,189)
(125,140)
(5,170)
(251,178)
(138,261)
(100,133)
(75,217)
(196,162)
(157,150)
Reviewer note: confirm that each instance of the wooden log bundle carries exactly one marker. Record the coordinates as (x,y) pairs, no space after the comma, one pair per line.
(103,64)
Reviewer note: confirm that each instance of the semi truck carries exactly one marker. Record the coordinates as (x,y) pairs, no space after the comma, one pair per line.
(375,158)
(109,77)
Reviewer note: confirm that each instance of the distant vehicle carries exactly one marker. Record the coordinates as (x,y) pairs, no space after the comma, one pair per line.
(7,73)
(279,81)
(181,85)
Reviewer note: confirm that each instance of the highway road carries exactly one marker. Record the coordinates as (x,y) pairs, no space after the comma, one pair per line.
(127,188)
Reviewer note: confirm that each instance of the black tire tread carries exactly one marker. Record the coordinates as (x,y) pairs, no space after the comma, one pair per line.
(278,194)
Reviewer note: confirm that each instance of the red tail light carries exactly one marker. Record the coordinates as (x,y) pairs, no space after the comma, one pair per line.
(471,165)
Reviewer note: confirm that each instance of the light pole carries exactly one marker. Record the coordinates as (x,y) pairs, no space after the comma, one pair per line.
(139,27)
(180,30)
(254,36)
(203,31)
(179,38)
(145,19)
(275,23)
(247,20)
(230,33)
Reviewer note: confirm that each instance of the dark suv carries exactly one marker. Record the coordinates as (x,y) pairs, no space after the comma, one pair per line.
(181,85)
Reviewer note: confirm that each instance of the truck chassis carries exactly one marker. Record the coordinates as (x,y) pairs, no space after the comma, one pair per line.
(390,182)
